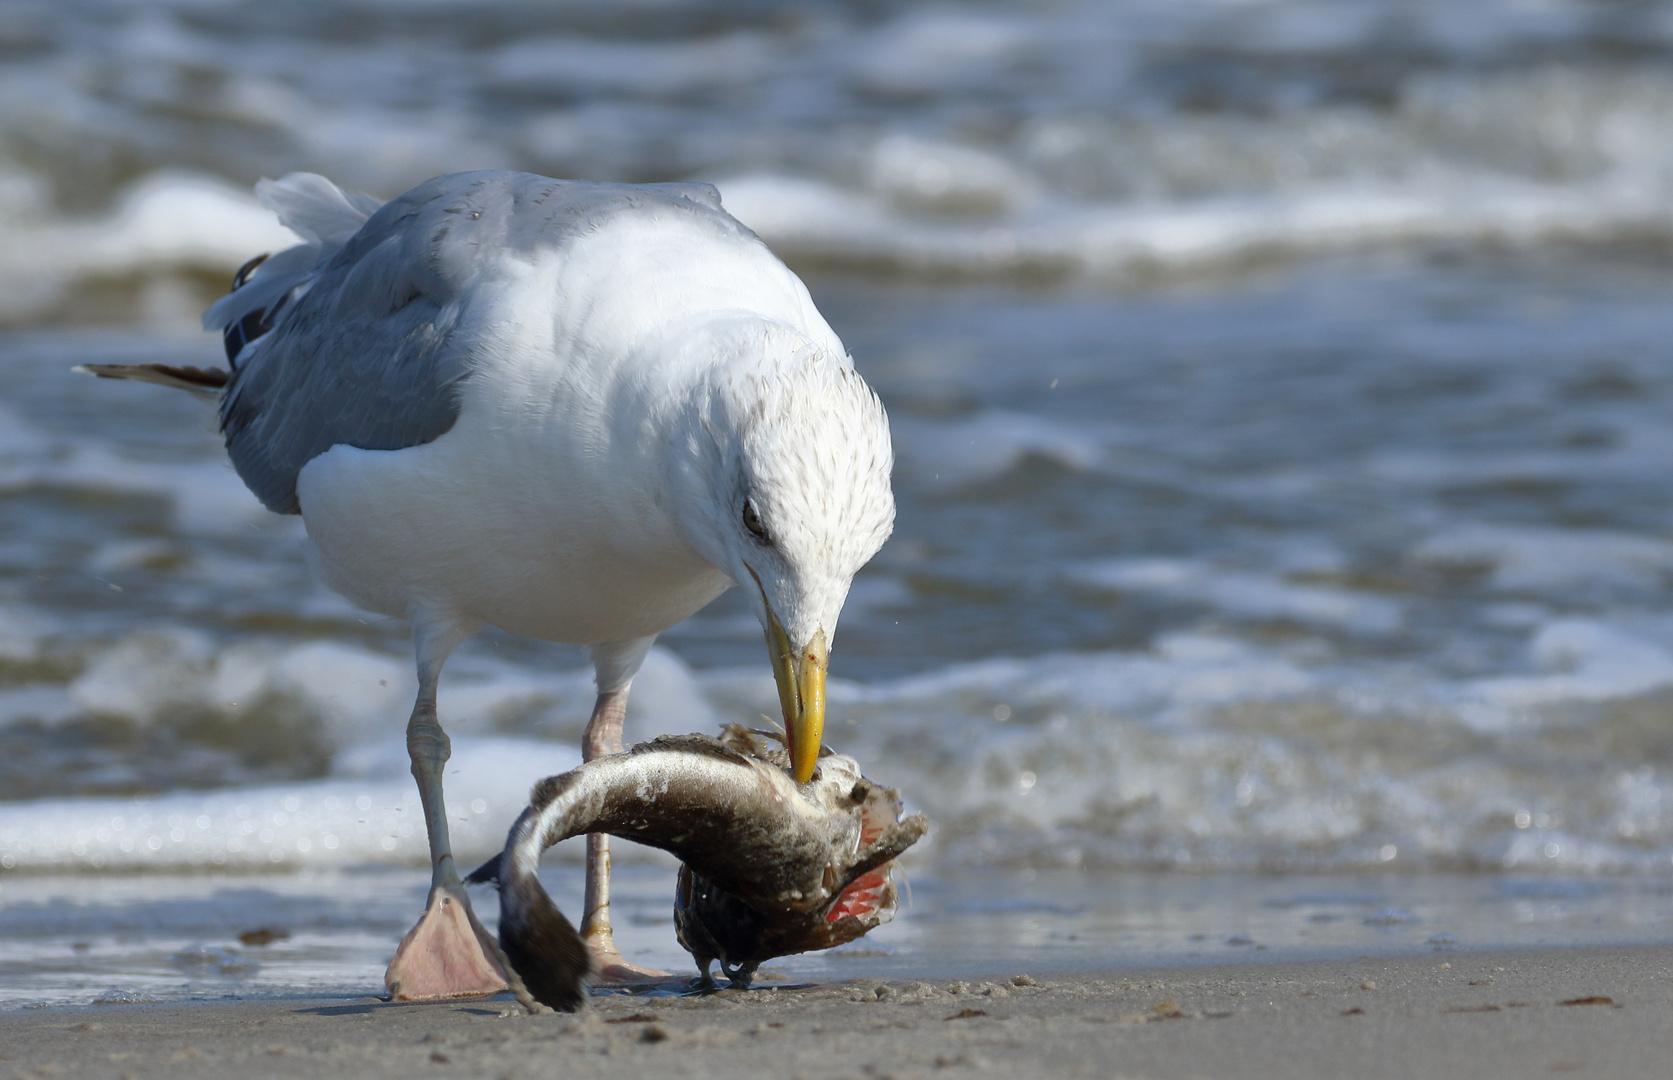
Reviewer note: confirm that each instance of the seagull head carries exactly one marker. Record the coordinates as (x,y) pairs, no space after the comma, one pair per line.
(784,486)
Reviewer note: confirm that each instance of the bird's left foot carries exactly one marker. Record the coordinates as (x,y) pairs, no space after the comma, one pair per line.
(447,955)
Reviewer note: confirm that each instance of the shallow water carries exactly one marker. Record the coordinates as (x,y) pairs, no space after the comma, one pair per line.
(119,938)
(1280,391)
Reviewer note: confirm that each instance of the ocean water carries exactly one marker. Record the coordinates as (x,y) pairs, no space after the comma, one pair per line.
(1280,392)
(129,939)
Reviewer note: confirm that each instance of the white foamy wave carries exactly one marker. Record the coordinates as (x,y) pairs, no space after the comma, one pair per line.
(1578,661)
(1528,157)
(988,444)
(165,222)
(340,822)
(347,694)
(369,810)
(1209,753)
(1203,752)
(940,50)
(1079,138)
(206,495)
(809,218)
(1525,559)
(1244,594)
(149,676)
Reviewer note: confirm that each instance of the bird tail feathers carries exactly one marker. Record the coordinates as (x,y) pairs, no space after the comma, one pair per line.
(205,383)
(324,216)
(316,209)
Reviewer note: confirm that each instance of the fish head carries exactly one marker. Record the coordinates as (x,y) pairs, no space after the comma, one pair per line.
(855,891)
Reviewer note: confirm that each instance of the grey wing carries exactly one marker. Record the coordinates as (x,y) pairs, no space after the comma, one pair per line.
(380,383)
(363,348)
(359,354)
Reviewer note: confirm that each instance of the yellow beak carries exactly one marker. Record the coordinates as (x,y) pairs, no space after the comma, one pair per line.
(800,674)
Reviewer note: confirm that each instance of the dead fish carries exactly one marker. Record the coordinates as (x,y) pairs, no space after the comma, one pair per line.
(771,867)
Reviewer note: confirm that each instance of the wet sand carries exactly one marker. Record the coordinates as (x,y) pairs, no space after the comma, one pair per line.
(1604,1012)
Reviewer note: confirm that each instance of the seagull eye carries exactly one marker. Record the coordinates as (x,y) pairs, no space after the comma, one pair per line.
(752,521)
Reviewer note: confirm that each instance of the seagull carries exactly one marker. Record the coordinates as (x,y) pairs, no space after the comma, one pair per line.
(574,411)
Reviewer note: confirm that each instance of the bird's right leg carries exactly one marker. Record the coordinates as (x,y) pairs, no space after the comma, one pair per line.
(448,954)
(604,736)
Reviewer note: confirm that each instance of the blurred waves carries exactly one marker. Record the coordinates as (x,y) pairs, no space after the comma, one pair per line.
(1280,391)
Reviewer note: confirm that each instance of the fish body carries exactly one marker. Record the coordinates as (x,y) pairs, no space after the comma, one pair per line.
(770,867)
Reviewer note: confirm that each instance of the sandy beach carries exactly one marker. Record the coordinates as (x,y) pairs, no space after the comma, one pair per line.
(1597,1012)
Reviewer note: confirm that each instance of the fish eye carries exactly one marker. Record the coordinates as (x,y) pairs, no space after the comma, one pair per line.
(752,521)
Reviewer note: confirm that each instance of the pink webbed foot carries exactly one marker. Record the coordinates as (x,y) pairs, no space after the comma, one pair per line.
(615,970)
(447,955)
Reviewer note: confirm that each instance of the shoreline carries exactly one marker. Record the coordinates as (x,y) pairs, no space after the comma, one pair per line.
(1594,1011)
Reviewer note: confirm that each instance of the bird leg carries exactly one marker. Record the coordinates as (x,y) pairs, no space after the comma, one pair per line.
(448,954)
(604,736)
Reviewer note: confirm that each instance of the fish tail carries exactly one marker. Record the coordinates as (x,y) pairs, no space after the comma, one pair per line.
(541,944)
(487,873)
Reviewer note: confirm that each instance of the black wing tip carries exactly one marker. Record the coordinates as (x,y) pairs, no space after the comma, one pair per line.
(244,272)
